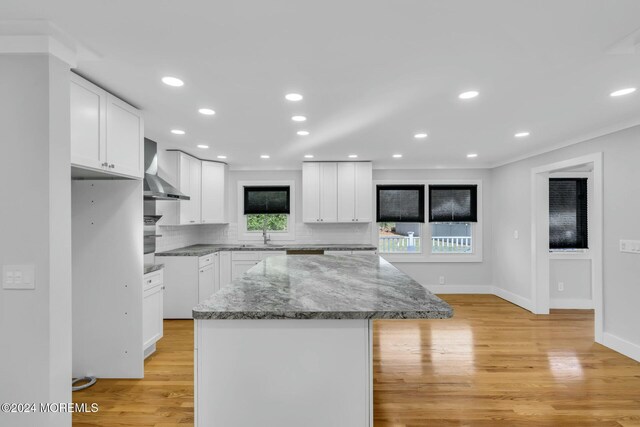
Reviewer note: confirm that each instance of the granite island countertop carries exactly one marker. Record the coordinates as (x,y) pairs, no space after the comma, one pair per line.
(150,268)
(323,287)
(204,249)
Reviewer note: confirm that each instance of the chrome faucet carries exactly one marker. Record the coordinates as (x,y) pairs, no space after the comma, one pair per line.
(265,236)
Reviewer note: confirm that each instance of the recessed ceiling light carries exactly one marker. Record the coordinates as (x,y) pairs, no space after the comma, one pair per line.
(264,156)
(521,134)
(472,155)
(298,118)
(172,81)
(177,131)
(353,156)
(222,157)
(206,111)
(397,156)
(468,95)
(303,132)
(203,146)
(621,92)
(293,97)
(420,135)
(308,156)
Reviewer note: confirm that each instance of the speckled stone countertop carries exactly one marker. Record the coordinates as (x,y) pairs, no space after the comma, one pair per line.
(323,287)
(150,268)
(202,250)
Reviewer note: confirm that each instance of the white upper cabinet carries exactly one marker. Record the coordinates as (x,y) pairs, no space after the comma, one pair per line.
(337,191)
(106,133)
(311,192)
(320,192)
(364,192)
(204,182)
(214,193)
(125,138)
(88,112)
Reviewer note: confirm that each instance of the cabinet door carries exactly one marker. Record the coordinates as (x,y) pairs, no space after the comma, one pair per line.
(238,268)
(184,185)
(311,192)
(88,104)
(152,315)
(206,283)
(195,184)
(328,192)
(125,133)
(214,183)
(363,192)
(346,192)
(225,268)
(216,272)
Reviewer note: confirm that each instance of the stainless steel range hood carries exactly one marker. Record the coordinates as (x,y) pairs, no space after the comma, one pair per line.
(156,188)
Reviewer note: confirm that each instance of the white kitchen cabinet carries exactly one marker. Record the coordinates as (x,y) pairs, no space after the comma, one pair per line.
(88,113)
(337,191)
(225,268)
(185,173)
(214,193)
(241,261)
(152,311)
(355,187)
(320,192)
(188,280)
(106,133)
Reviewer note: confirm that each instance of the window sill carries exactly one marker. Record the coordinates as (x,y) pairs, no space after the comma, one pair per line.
(570,254)
(414,258)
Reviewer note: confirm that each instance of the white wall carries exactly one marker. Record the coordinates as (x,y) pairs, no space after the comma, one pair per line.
(35,228)
(511,210)
(467,277)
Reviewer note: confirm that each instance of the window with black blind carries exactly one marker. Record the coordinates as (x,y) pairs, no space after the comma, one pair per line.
(400,203)
(266,200)
(453,203)
(568,206)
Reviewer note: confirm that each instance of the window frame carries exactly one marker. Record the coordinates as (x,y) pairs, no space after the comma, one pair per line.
(578,253)
(244,234)
(426,255)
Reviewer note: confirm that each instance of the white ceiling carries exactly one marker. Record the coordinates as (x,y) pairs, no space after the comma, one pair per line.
(372,73)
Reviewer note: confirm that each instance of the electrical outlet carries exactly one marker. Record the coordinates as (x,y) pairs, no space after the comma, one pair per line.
(630,246)
(441,281)
(561,286)
(516,235)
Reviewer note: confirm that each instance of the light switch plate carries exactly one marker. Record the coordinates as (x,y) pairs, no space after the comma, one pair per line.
(19,276)
(630,246)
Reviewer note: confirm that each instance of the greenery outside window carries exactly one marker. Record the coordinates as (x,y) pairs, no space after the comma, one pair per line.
(275,222)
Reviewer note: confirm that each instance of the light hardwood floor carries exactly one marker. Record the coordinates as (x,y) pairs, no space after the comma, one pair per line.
(493,364)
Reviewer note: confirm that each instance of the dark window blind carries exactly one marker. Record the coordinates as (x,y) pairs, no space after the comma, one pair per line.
(453,203)
(568,206)
(266,200)
(400,203)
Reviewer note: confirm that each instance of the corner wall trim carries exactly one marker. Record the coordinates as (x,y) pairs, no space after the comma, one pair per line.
(622,346)
(513,298)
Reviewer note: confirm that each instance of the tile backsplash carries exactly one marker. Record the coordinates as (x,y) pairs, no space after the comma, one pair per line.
(184,235)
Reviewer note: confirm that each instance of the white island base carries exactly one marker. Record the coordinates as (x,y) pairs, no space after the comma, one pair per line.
(283,373)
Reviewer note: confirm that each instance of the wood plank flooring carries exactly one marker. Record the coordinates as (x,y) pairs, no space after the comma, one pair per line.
(493,364)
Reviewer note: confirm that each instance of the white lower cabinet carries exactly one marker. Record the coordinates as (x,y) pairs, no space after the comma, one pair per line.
(225,268)
(152,311)
(241,261)
(189,280)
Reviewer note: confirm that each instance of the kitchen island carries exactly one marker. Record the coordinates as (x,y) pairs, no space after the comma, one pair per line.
(290,344)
